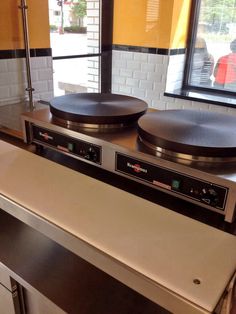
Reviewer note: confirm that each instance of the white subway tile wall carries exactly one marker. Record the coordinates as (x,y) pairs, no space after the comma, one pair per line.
(175,72)
(13,79)
(149,76)
(140,75)
(93,45)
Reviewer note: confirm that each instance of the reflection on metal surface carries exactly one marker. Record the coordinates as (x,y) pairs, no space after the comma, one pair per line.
(152,14)
(87,126)
(185,158)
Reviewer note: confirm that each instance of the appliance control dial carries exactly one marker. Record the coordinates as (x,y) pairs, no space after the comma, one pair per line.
(91,154)
(209,196)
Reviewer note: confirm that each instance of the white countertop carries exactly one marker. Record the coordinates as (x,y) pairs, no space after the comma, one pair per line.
(150,248)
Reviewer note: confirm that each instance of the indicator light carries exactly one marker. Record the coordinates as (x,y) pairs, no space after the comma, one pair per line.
(70,147)
(175,184)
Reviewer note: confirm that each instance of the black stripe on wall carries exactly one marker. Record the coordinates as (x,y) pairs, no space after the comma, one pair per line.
(20,53)
(159,51)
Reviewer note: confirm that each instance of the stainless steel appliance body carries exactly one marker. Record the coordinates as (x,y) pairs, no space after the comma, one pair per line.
(212,187)
(11,294)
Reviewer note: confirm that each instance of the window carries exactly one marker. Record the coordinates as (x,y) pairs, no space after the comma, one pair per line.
(56,13)
(211,57)
(81,41)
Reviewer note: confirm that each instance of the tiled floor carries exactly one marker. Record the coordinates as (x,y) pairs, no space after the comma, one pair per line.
(10,116)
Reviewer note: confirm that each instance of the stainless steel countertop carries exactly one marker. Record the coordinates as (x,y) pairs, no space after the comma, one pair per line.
(149,248)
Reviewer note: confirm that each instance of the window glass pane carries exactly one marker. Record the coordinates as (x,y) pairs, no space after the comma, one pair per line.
(79,75)
(74,27)
(214,58)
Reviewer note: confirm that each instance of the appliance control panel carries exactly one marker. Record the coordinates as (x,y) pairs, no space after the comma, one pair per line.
(196,189)
(66,144)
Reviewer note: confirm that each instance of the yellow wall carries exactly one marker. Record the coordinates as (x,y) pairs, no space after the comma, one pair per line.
(151,23)
(11,35)
(180,22)
(146,23)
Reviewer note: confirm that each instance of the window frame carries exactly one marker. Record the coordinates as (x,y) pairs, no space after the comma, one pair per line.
(191,38)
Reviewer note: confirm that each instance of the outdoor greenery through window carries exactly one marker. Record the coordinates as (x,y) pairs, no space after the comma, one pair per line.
(212,62)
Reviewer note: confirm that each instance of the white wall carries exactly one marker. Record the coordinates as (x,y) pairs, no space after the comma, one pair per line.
(93,27)
(13,79)
(148,76)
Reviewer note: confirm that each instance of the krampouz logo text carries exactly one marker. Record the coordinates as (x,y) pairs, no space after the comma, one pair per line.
(136,167)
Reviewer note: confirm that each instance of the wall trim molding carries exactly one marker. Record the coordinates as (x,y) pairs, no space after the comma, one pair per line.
(20,53)
(159,51)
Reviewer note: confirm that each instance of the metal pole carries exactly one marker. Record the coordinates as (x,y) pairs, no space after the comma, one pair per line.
(62,17)
(29,88)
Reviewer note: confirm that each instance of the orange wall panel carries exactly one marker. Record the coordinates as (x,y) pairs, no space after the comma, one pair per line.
(11,34)
(180,22)
(130,22)
(145,23)
(151,23)
(39,23)
(9,25)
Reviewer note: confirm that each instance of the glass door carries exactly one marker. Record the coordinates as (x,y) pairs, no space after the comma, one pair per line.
(75,34)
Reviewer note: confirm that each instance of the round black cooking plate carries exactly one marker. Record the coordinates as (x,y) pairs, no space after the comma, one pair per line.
(197,133)
(96,108)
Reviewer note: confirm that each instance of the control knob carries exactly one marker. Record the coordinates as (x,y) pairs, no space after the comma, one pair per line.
(91,154)
(209,196)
